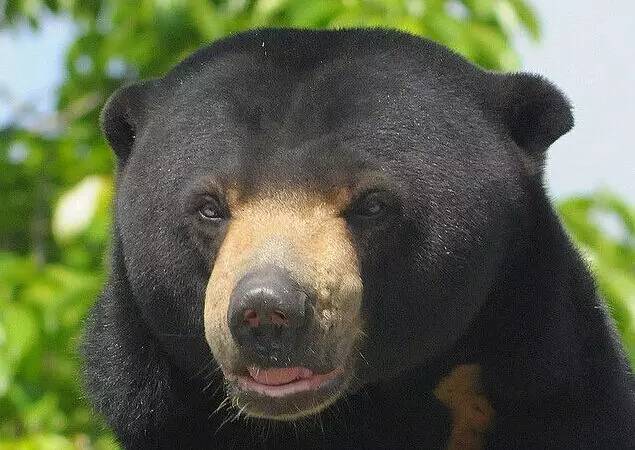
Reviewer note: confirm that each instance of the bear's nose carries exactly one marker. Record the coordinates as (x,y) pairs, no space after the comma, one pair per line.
(269,315)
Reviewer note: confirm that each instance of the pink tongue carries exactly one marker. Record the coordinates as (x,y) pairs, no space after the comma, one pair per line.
(278,376)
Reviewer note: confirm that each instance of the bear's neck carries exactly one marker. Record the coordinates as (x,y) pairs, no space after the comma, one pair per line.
(543,302)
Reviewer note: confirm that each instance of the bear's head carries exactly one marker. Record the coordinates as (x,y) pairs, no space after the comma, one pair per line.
(322,209)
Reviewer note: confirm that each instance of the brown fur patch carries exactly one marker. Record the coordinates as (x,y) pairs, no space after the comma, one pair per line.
(303,233)
(472,414)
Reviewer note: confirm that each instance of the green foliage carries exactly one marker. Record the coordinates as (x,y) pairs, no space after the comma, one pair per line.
(56,177)
(603,226)
(42,305)
(41,311)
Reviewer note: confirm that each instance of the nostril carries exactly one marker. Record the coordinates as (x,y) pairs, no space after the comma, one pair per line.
(279,318)
(251,319)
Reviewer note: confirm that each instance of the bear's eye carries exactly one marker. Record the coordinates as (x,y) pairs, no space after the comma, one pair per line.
(211,209)
(372,205)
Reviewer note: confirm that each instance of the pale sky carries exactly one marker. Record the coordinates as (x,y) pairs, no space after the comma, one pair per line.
(32,64)
(587,50)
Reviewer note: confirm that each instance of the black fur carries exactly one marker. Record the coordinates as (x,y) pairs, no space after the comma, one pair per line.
(475,268)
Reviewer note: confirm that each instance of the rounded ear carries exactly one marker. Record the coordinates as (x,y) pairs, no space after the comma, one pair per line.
(122,117)
(534,110)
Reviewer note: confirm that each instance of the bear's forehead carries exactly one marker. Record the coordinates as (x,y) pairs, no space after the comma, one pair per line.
(257,125)
(293,104)
(314,82)
(318,111)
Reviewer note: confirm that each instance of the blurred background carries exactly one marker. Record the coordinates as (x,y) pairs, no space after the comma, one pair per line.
(60,60)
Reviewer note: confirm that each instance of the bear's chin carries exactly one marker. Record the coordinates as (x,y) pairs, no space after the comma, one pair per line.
(294,400)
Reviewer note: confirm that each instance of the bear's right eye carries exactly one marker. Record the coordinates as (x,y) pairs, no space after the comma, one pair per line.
(373,206)
(211,210)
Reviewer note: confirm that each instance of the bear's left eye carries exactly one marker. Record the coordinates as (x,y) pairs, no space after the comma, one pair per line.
(372,205)
(211,210)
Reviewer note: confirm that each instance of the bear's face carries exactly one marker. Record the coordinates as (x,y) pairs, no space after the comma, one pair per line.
(283,302)
(327,208)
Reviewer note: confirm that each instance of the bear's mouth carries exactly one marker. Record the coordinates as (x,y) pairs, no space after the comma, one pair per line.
(287,393)
(285,381)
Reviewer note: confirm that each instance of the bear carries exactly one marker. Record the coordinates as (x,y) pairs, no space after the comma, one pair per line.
(341,239)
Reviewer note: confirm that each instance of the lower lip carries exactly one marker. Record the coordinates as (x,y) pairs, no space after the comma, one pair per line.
(308,384)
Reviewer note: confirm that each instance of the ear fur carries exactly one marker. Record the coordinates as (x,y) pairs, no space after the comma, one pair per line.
(122,116)
(535,112)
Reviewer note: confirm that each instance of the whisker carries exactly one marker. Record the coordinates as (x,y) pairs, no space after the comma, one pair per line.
(240,411)
(221,405)
(223,423)
(363,357)
(203,368)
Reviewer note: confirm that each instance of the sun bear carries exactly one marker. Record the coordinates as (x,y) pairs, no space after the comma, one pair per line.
(341,239)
